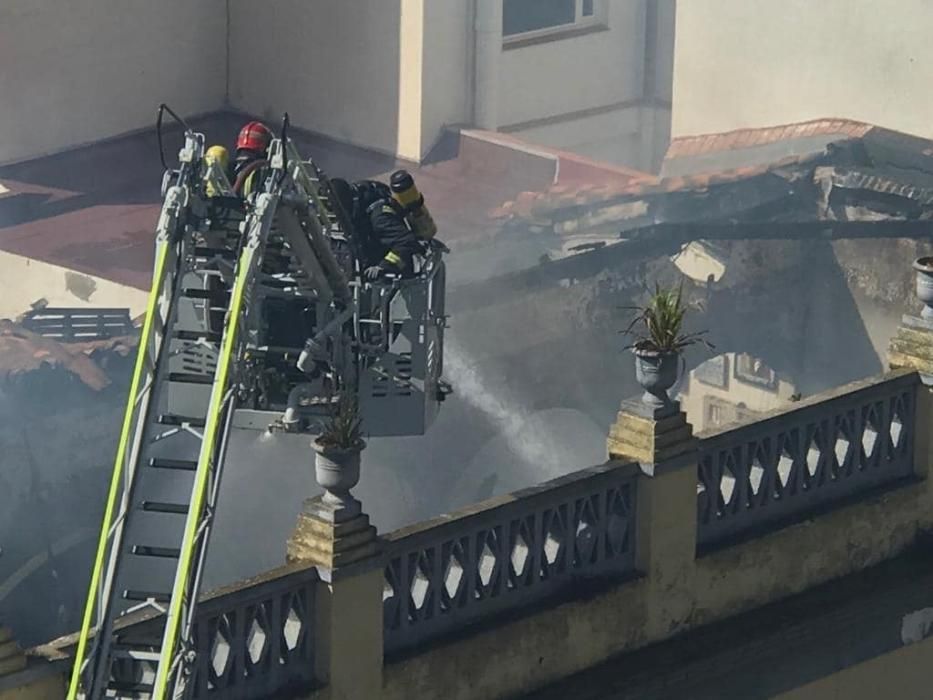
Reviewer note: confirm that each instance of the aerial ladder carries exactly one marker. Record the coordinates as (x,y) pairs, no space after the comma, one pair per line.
(258,318)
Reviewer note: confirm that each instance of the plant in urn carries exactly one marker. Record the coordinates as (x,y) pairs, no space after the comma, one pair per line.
(659,341)
(337,457)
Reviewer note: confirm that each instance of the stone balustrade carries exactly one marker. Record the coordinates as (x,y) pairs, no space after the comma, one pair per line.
(251,640)
(795,461)
(509,553)
(256,642)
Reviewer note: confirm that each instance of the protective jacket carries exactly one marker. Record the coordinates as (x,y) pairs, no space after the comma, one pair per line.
(386,238)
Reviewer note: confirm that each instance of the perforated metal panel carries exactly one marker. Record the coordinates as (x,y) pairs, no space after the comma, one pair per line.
(399,393)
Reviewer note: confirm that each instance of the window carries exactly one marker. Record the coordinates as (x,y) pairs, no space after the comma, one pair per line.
(752,370)
(714,415)
(542,16)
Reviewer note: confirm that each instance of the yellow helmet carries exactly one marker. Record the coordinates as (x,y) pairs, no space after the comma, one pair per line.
(218,154)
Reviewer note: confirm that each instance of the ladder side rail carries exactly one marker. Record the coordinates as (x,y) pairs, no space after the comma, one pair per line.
(168,223)
(249,259)
(146,401)
(319,225)
(148,398)
(171,218)
(188,615)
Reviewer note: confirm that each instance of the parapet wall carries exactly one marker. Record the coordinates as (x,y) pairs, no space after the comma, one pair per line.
(677,586)
(525,589)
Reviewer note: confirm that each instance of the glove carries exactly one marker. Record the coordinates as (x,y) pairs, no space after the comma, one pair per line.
(372,273)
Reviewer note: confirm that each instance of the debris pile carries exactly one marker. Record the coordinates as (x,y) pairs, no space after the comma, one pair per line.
(24,352)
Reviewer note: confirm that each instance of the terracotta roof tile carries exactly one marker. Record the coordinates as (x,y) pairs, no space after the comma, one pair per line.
(22,351)
(744,138)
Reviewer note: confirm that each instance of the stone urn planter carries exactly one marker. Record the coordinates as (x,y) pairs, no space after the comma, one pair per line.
(337,470)
(924,269)
(656,373)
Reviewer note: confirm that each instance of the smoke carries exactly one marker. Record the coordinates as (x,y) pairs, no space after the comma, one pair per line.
(529,443)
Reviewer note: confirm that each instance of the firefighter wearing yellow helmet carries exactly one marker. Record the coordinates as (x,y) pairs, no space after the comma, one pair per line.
(217,159)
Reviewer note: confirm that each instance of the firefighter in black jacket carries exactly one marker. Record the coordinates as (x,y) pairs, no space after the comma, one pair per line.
(387,243)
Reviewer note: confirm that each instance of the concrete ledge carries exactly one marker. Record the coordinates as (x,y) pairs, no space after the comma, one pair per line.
(773,649)
(38,680)
(903,674)
(835,543)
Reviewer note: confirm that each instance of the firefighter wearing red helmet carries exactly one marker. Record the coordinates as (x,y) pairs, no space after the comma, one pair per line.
(251,165)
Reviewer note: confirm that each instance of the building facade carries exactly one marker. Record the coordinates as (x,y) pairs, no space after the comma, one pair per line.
(752,63)
(611,79)
(593,76)
(732,388)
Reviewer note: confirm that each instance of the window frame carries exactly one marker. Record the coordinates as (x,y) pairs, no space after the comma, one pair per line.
(714,412)
(745,374)
(598,20)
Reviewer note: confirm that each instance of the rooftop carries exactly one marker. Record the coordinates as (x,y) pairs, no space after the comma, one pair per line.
(94,209)
(790,172)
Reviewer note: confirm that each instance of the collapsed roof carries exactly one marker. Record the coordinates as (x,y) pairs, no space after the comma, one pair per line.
(822,170)
(23,352)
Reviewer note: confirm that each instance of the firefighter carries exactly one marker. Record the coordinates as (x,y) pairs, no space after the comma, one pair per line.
(251,165)
(387,243)
(218,156)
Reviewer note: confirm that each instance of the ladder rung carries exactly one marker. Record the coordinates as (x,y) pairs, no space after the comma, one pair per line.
(218,295)
(186,378)
(143,596)
(203,252)
(180,464)
(136,689)
(135,654)
(162,507)
(162,552)
(170,419)
(209,336)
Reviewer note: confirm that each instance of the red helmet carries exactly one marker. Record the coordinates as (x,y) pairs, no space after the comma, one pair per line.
(255,136)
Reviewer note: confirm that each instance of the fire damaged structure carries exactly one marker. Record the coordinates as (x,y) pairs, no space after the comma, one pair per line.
(821,179)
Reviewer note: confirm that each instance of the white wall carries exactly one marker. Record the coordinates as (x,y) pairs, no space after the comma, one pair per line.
(575,73)
(332,64)
(589,94)
(79,71)
(747,63)
(611,136)
(26,280)
(448,67)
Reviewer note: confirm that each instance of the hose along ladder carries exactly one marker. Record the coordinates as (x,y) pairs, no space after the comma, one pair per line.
(204,350)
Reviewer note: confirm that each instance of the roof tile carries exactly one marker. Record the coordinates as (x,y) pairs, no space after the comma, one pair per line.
(23,351)
(743,138)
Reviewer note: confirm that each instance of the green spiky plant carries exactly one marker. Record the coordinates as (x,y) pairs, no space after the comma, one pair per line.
(342,429)
(661,322)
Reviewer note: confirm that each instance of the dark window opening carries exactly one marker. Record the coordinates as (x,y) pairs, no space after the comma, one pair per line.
(588,8)
(519,16)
